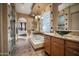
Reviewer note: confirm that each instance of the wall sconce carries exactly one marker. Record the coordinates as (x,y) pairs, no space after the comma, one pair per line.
(41,17)
(38,16)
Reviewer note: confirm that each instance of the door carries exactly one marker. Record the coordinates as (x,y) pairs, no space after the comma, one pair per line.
(47,44)
(71,48)
(57,45)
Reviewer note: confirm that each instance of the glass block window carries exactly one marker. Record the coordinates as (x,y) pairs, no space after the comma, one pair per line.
(46,22)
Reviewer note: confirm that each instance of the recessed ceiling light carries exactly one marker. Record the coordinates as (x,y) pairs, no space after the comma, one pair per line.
(39,16)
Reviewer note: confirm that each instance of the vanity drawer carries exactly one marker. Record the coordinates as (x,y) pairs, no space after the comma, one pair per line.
(58,40)
(57,47)
(71,52)
(47,44)
(71,48)
(72,44)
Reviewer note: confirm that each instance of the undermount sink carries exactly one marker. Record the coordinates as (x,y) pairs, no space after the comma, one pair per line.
(63,32)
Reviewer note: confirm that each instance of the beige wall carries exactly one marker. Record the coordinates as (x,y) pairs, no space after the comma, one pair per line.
(3,31)
(18,15)
(4,25)
(27,17)
(74,16)
(75,22)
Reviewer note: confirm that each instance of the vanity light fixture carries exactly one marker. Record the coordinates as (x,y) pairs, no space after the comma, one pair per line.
(39,16)
(36,17)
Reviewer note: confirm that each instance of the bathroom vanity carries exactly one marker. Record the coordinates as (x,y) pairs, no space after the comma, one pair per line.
(56,45)
(47,44)
(66,20)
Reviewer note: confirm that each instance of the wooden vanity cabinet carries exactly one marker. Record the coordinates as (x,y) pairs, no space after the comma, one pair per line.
(71,48)
(57,47)
(47,44)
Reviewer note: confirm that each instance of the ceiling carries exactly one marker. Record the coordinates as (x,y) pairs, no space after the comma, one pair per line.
(25,8)
(30,8)
(39,7)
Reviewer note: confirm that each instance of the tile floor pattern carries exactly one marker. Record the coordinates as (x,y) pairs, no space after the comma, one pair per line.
(25,49)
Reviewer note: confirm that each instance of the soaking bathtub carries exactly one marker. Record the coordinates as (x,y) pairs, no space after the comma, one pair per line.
(37,41)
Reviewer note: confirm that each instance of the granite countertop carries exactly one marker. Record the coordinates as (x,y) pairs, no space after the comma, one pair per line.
(65,37)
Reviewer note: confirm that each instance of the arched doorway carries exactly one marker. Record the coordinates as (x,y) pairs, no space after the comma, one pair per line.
(22,28)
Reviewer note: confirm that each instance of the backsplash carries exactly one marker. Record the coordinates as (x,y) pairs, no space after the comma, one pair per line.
(75,33)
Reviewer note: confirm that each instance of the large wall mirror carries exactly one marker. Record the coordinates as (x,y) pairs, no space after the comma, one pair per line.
(61,22)
(68,19)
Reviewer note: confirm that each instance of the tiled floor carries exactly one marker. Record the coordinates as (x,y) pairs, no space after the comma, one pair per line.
(24,48)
